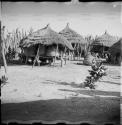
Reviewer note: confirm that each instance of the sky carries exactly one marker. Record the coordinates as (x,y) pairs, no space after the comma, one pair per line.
(86,18)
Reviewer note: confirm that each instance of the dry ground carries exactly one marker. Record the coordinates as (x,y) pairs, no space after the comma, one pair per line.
(52,93)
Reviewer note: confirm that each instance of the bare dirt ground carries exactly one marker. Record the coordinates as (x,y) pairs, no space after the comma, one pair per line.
(51,93)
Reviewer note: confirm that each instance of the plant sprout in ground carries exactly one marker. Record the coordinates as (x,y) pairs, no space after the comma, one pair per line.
(97,72)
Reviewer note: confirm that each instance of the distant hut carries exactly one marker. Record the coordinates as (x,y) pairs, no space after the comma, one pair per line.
(116,53)
(44,43)
(77,41)
(102,43)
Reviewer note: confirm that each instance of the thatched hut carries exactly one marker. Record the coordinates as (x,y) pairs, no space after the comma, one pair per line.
(77,41)
(116,53)
(102,43)
(44,43)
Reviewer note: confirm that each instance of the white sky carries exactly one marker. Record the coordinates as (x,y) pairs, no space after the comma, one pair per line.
(85,18)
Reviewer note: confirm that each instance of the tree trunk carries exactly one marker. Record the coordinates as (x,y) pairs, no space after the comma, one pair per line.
(3,50)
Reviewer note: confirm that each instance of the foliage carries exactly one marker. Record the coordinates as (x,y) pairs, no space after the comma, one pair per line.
(12,42)
(3,80)
(88,48)
(97,72)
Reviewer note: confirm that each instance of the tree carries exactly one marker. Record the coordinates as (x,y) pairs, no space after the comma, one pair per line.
(3,49)
(4,78)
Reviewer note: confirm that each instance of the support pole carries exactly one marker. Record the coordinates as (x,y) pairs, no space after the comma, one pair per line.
(65,55)
(103,50)
(37,56)
(75,49)
(26,60)
(68,54)
(80,51)
(61,59)
(56,50)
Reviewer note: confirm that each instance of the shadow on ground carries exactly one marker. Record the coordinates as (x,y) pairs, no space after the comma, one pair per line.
(96,110)
(72,84)
(74,109)
(109,82)
(80,63)
(19,63)
(94,92)
(85,91)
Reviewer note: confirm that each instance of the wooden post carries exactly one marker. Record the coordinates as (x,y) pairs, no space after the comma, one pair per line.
(65,55)
(53,61)
(61,59)
(68,54)
(26,60)
(103,50)
(57,49)
(74,50)
(80,51)
(37,56)
(73,55)
(55,56)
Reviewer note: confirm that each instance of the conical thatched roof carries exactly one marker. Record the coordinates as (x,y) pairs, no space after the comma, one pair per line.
(45,36)
(105,40)
(72,36)
(116,48)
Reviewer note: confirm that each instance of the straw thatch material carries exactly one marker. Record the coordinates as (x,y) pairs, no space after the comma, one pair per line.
(51,51)
(72,36)
(32,50)
(105,40)
(45,36)
(116,48)
(116,53)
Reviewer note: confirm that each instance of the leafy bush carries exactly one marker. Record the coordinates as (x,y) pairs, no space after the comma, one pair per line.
(97,72)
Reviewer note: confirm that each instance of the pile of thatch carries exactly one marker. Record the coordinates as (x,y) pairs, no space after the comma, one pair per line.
(105,40)
(88,59)
(45,36)
(72,36)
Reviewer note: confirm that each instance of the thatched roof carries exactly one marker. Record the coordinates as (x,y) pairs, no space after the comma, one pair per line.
(105,40)
(45,36)
(72,36)
(116,48)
